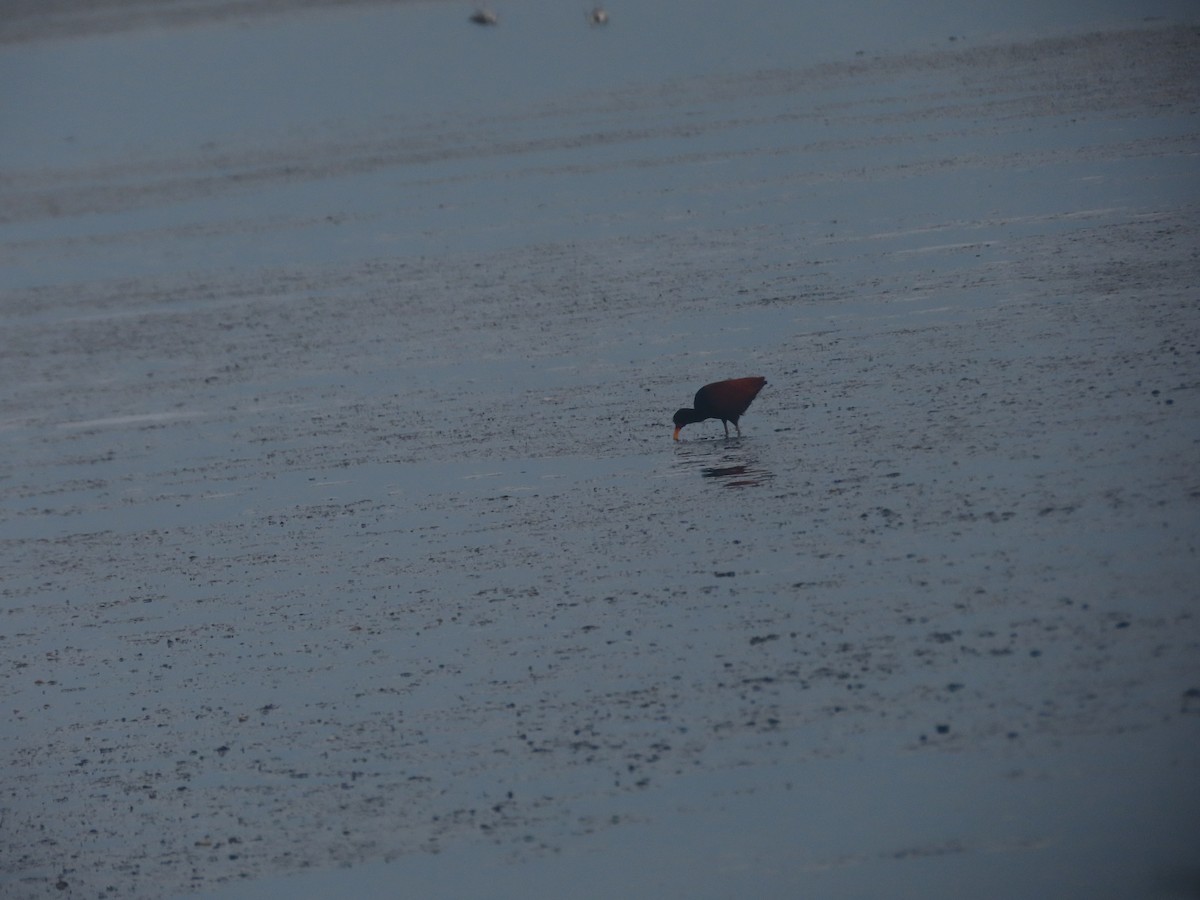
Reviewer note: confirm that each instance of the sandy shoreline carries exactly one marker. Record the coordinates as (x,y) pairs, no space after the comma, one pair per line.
(343,531)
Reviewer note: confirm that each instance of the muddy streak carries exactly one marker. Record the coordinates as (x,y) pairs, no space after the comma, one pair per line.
(25,22)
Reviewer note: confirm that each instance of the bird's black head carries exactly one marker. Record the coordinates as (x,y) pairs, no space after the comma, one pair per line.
(686,416)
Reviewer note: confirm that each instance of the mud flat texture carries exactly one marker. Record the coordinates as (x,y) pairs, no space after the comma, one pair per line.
(344,547)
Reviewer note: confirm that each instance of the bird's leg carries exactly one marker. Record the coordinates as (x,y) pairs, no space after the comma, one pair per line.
(726,424)
(739,428)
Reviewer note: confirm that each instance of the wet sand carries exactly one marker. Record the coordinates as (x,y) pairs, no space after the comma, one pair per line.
(346,549)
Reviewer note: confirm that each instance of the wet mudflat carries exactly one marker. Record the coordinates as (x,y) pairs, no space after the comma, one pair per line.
(345,547)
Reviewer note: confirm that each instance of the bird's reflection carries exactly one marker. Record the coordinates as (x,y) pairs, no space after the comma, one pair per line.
(730,463)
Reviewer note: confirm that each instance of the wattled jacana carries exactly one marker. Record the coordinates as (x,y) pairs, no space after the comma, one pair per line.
(724,400)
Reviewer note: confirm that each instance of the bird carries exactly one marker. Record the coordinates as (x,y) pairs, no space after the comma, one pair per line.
(724,400)
(484,16)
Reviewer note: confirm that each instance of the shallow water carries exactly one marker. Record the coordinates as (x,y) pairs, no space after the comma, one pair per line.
(343,530)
